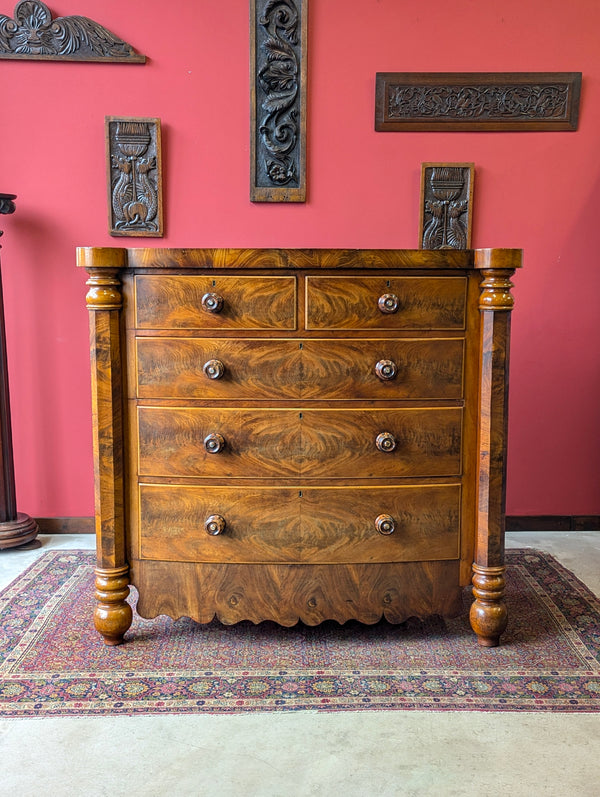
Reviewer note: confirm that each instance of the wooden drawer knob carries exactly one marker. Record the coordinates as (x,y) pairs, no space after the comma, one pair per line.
(212,302)
(386,370)
(388,303)
(214,443)
(385,524)
(385,442)
(214,369)
(215,524)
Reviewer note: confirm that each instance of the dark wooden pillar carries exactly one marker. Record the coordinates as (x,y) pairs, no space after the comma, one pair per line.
(113,615)
(16,528)
(488,611)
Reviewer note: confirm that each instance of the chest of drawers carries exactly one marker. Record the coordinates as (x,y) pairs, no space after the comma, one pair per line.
(299,434)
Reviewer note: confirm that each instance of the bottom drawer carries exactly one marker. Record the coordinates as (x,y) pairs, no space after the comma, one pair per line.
(314,525)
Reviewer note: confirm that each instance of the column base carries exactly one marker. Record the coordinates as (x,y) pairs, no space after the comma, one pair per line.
(113,615)
(18,532)
(488,612)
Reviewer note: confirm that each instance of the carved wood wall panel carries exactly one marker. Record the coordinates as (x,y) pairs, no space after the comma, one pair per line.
(278,75)
(446,205)
(500,101)
(33,34)
(134,176)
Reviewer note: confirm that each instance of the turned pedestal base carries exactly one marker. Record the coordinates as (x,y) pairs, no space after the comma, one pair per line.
(113,614)
(488,612)
(14,533)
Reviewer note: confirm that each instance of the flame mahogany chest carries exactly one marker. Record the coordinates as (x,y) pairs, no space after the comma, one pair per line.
(303,435)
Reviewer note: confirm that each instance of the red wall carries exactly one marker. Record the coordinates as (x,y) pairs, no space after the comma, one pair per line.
(538,191)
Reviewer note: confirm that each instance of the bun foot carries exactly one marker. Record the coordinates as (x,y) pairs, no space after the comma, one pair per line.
(113,615)
(488,613)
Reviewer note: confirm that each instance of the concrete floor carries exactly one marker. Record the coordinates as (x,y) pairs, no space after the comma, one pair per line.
(306,753)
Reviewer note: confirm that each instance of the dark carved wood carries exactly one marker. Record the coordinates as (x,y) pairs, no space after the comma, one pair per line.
(278,75)
(299,484)
(134,166)
(446,205)
(16,528)
(477,101)
(33,34)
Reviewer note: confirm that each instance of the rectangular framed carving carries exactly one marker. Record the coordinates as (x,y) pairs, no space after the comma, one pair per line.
(446,205)
(278,76)
(472,101)
(134,176)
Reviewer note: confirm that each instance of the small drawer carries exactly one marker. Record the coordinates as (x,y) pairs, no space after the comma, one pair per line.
(226,369)
(379,303)
(232,443)
(207,302)
(313,525)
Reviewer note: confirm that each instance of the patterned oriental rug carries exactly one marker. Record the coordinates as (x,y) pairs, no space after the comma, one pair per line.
(53,663)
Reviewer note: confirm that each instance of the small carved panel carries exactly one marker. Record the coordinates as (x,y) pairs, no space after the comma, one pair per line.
(278,74)
(33,34)
(133,154)
(446,206)
(504,101)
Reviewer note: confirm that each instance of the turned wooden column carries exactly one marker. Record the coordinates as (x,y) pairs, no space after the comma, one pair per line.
(16,528)
(488,612)
(113,615)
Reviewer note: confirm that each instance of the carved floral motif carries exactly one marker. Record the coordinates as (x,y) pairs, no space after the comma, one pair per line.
(33,33)
(480,102)
(279,106)
(134,152)
(446,206)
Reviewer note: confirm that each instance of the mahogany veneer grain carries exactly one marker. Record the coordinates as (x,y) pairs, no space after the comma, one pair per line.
(299,434)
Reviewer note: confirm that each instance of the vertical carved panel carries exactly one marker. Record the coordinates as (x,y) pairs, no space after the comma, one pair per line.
(446,205)
(134,166)
(278,74)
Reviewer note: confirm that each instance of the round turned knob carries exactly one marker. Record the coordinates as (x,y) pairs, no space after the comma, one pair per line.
(212,302)
(215,524)
(214,369)
(214,443)
(386,370)
(385,442)
(388,303)
(385,524)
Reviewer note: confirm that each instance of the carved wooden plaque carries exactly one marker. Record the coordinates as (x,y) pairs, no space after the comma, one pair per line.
(33,34)
(133,155)
(500,101)
(446,205)
(278,74)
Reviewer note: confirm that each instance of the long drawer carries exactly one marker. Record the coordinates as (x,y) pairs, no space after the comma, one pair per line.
(273,443)
(226,369)
(308,525)
(418,303)
(206,302)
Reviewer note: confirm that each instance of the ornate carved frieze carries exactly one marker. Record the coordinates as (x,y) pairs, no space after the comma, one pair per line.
(477,101)
(278,73)
(133,154)
(33,34)
(446,205)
